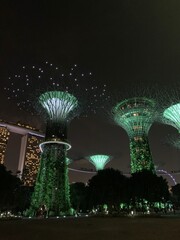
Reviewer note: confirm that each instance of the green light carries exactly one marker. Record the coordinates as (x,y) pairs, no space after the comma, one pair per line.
(136,116)
(52,185)
(99,161)
(172,114)
(58,104)
(140,155)
(68,161)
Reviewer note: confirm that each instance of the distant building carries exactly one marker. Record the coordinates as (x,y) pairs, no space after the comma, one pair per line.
(29,157)
(4,136)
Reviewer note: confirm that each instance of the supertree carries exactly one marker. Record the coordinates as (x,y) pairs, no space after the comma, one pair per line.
(170,106)
(136,116)
(59,99)
(171,115)
(99,161)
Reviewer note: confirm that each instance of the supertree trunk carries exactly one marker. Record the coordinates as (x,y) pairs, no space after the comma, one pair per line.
(52,186)
(141,158)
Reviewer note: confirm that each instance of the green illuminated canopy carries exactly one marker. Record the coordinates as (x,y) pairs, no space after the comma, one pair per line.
(99,161)
(172,115)
(135,115)
(58,104)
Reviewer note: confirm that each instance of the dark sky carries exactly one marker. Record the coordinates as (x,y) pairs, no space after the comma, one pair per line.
(123,42)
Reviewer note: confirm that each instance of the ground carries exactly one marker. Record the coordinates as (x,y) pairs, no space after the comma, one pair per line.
(94,228)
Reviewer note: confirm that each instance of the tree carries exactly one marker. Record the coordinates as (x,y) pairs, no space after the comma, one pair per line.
(8,188)
(108,187)
(23,198)
(176,194)
(147,186)
(78,193)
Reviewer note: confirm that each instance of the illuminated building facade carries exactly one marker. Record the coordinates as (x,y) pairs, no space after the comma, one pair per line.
(29,158)
(27,165)
(136,116)
(4,136)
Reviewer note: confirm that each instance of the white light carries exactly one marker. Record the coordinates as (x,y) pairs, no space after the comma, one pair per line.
(68,146)
(59,106)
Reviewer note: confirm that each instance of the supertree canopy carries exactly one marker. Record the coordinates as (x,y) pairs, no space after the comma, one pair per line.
(172,115)
(60,95)
(136,116)
(59,107)
(99,161)
(58,104)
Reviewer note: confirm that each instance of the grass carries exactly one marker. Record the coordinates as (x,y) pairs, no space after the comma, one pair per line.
(91,228)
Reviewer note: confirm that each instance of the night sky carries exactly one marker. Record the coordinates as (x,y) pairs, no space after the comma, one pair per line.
(124,43)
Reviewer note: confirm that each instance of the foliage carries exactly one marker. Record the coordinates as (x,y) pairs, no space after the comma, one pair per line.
(176,194)
(108,187)
(148,186)
(23,198)
(52,186)
(141,158)
(142,190)
(8,188)
(78,193)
